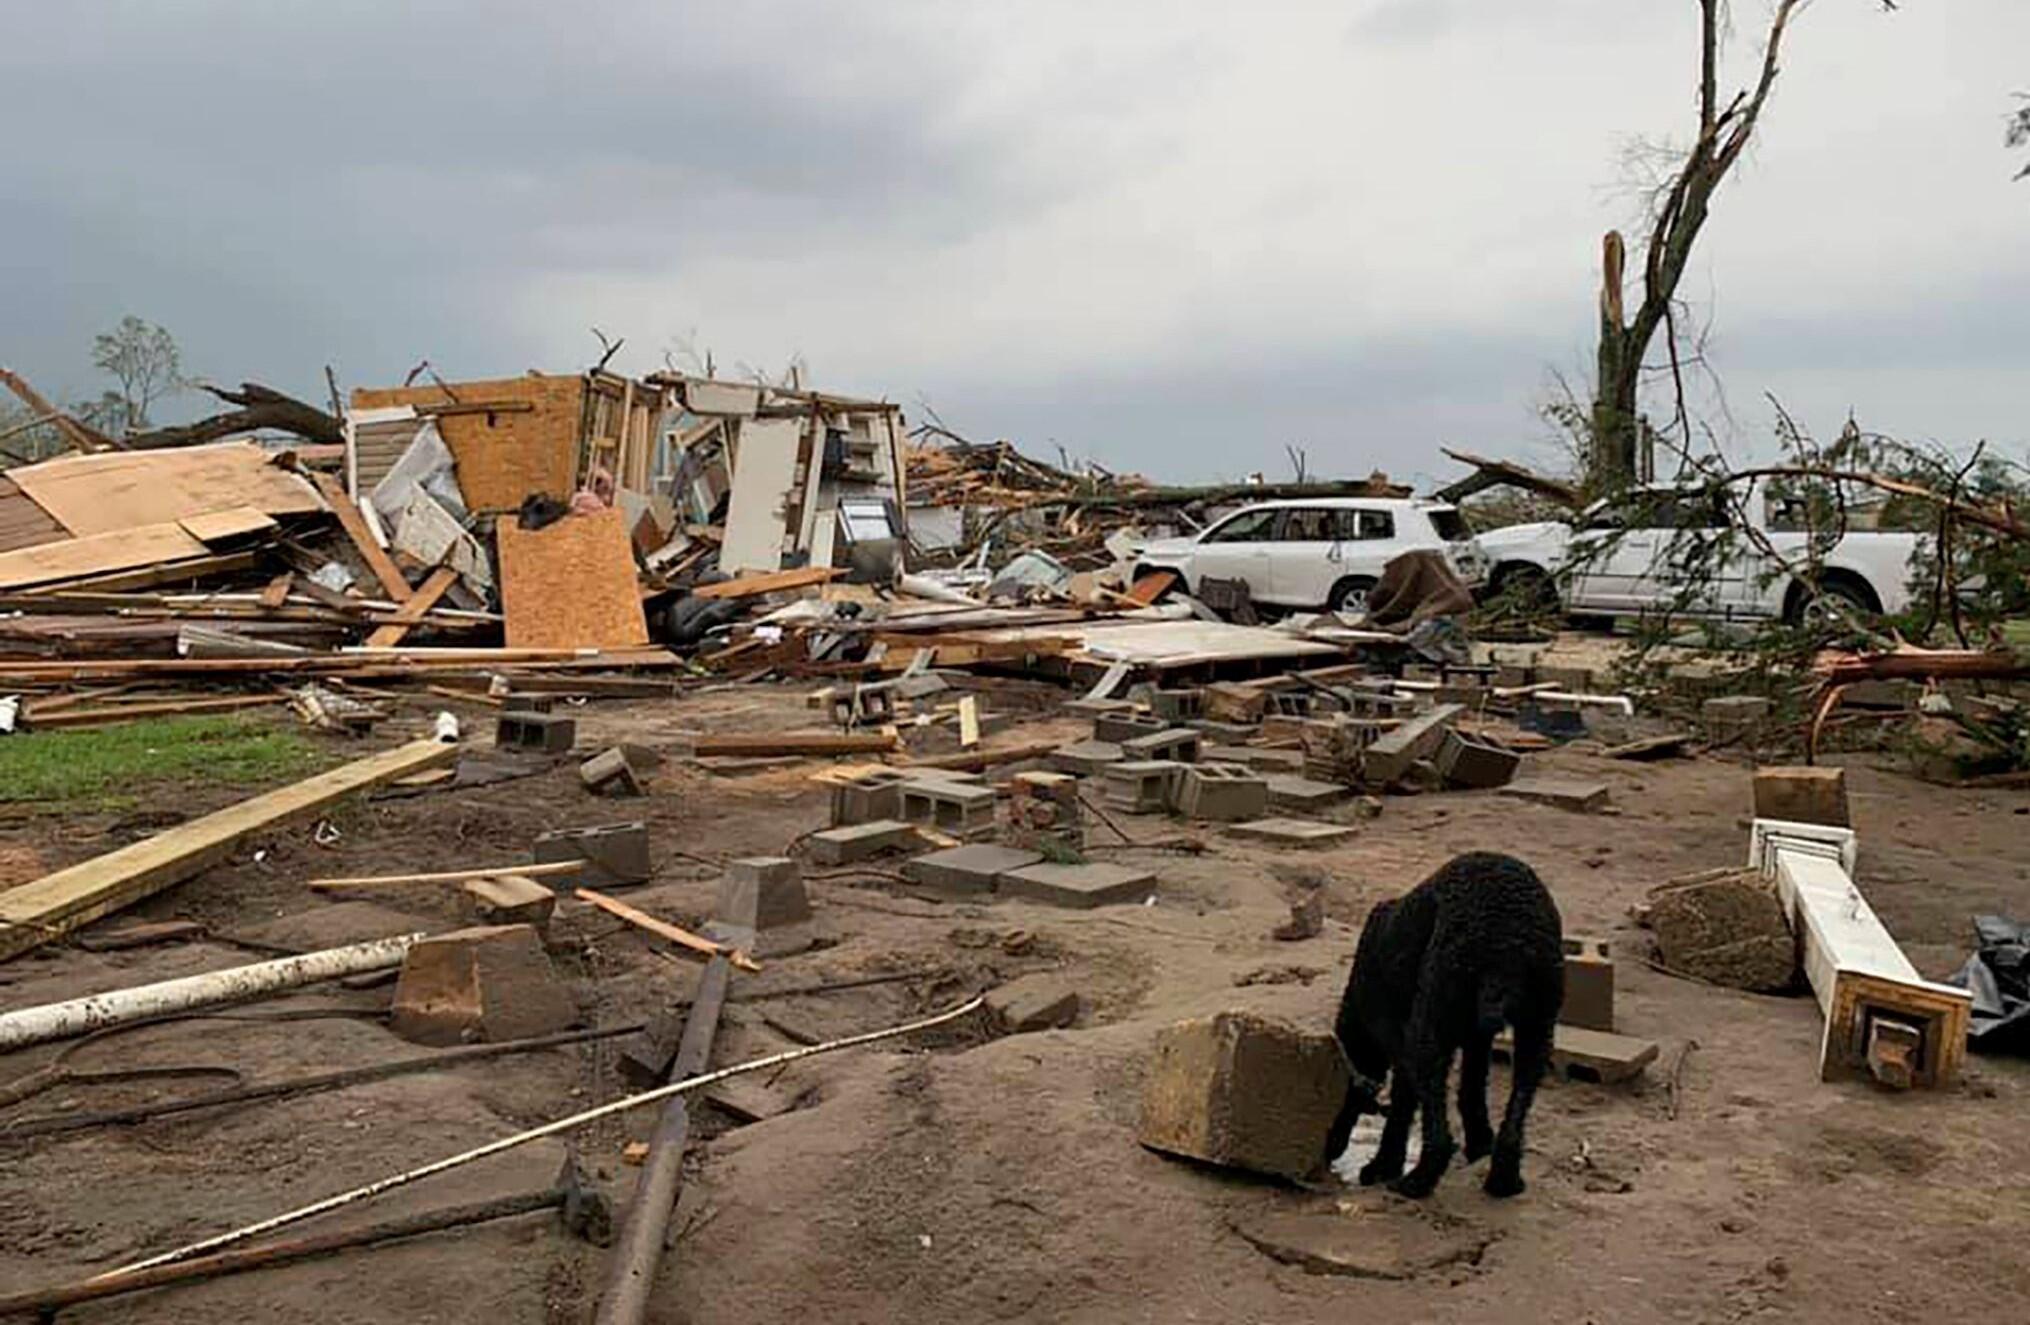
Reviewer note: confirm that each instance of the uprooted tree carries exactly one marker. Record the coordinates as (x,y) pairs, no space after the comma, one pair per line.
(1681,205)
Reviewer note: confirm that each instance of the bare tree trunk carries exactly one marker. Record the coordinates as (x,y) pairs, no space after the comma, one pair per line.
(260,407)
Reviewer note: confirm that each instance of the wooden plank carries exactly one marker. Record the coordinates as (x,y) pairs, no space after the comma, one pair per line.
(41,720)
(433,588)
(22,522)
(170,572)
(76,558)
(750,586)
(114,491)
(1151,587)
(277,591)
(969,722)
(232,522)
(570,584)
(58,903)
(796,743)
(376,557)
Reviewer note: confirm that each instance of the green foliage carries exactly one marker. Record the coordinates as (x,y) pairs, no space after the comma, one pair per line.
(144,360)
(101,766)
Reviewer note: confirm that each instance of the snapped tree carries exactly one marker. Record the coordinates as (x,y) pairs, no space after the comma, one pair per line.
(143,359)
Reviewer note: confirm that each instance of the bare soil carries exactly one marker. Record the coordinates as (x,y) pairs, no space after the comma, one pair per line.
(974,1178)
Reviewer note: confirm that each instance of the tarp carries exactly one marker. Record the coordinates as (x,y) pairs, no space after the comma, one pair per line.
(1998,976)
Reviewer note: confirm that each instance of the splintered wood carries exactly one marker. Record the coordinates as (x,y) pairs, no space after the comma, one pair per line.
(571,584)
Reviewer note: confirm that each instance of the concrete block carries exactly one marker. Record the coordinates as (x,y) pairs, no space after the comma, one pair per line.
(1098,707)
(1174,706)
(1145,786)
(1179,744)
(1078,886)
(873,795)
(510,899)
(548,732)
(763,908)
(1293,832)
(1289,792)
(1589,984)
(1084,758)
(1126,726)
(1243,1091)
(513,703)
(1564,793)
(971,871)
(1214,730)
(1584,1055)
(480,985)
(921,686)
(1557,722)
(613,854)
(612,773)
(955,809)
(1389,756)
(1731,718)
(1802,795)
(843,846)
(1221,793)
(1040,1002)
(1464,762)
(1289,704)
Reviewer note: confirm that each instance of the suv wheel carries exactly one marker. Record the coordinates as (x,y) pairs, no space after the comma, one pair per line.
(1350,594)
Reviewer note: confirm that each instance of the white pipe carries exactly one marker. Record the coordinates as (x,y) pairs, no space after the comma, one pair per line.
(57,1021)
(1621,702)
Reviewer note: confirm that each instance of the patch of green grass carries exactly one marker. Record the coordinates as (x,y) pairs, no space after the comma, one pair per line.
(107,765)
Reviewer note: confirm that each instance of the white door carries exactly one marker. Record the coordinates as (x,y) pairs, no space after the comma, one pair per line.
(1307,557)
(1237,548)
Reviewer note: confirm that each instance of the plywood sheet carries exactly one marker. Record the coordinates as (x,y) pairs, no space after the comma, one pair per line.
(504,457)
(117,490)
(571,584)
(22,522)
(763,475)
(234,522)
(96,555)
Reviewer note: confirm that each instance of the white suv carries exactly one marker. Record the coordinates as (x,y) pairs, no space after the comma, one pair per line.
(1322,553)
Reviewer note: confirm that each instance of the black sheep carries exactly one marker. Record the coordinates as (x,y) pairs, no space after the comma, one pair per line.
(1476,946)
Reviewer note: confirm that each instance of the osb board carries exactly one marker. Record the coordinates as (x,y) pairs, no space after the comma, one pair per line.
(123,550)
(22,522)
(117,490)
(571,584)
(234,522)
(502,458)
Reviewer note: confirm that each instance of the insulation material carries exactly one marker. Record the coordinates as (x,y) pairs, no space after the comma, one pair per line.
(433,536)
(764,476)
(507,455)
(571,584)
(111,491)
(426,463)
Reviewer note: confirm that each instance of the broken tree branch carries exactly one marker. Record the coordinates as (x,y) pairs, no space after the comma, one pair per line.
(260,407)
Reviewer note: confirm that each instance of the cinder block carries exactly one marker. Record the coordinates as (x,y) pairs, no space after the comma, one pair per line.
(1145,786)
(952,808)
(1565,793)
(479,985)
(1179,705)
(1243,1091)
(1078,886)
(1040,1002)
(1730,718)
(1389,756)
(1293,832)
(762,908)
(548,732)
(1464,762)
(1289,704)
(1221,793)
(1802,795)
(1287,792)
(614,853)
(1589,984)
(1126,725)
(611,773)
(1084,758)
(1179,744)
(510,899)
(872,795)
(843,846)
(1214,730)
(972,871)
(514,703)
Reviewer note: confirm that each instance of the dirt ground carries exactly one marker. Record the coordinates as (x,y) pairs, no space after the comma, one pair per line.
(976,1178)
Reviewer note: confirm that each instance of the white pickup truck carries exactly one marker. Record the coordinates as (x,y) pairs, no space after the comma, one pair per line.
(1630,555)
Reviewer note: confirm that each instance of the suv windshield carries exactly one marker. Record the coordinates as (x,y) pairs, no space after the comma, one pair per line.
(1450,524)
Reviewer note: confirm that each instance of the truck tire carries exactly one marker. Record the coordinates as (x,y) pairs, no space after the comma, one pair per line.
(1836,589)
(1350,594)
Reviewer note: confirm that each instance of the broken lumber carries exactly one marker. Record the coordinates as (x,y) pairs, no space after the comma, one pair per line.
(664,929)
(59,1021)
(172,708)
(753,586)
(422,600)
(545,870)
(55,904)
(355,525)
(796,743)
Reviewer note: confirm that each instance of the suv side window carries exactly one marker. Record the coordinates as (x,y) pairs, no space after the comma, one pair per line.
(1366,525)
(1307,524)
(1247,527)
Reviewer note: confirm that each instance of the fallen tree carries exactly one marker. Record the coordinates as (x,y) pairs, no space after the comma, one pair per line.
(259,407)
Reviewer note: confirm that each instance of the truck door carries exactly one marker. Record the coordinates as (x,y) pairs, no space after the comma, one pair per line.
(1306,557)
(1237,548)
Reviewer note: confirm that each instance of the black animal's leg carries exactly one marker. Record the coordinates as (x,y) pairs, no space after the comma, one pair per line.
(1342,1128)
(1479,1135)
(1387,1164)
(1532,1053)
(1431,1066)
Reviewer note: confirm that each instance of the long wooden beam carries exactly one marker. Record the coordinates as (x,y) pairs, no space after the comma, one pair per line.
(58,903)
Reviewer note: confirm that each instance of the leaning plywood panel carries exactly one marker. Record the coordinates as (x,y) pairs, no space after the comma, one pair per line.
(57,903)
(22,522)
(119,490)
(76,557)
(570,584)
(503,455)
(764,479)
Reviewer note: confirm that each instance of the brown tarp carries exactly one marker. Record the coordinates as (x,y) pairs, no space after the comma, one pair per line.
(1414,588)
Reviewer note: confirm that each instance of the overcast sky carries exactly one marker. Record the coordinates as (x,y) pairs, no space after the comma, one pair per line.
(1174,236)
